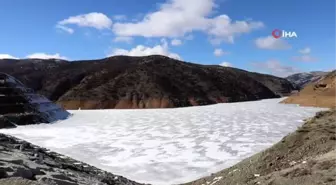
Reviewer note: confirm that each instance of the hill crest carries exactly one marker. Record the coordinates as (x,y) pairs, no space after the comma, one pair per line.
(143,82)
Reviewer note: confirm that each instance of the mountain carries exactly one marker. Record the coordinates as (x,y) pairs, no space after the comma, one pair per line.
(21,106)
(320,93)
(142,82)
(300,80)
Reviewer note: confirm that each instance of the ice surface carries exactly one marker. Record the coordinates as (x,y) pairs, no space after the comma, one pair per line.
(168,146)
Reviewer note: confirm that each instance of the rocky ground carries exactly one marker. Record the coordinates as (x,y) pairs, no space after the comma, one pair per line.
(21,106)
(305,157)
(22,163)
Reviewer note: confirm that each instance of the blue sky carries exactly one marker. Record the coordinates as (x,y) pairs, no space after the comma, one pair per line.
(227,32)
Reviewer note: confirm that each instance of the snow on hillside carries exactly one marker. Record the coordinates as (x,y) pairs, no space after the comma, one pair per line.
(302,79)
(168,146)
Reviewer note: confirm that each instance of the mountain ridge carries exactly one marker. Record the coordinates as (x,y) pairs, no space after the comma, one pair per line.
(142,82)
(300,80)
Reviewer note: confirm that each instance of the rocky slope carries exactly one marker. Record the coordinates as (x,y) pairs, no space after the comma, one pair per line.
(20,105)
(300,80)
(305,157)
(142,82)
(22,163)
(321,93)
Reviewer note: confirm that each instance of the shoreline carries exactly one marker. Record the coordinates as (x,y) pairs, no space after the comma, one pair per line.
(23,161)
(305,156)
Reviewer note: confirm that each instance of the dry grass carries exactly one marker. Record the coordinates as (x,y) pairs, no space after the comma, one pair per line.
(312,101)
(319,94)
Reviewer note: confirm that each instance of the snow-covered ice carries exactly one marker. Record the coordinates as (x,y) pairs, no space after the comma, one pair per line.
(168,146)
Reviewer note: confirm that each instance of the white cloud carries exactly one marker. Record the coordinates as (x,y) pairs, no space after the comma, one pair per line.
(219,52)
(305,58)
(271,43)
(141,50)
(176,42)
(46,56)
(120,17)
(275,68)
(95,20)
(225,64)
(305,51)
(189,37)
(123,39)
(66,29)
(222,28)
(36,56)
(176,18)
(7,56)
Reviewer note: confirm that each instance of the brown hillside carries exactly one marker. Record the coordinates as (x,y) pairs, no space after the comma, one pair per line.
(142,82)
(318,94)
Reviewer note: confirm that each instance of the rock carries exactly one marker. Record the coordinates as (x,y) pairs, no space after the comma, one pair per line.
(22,146)
(321,85)
(37,171)
(63,182)
(292,163)
(47,181)
(51,163)
(3,173)
(17,108)
(24,173)
(55,169)
(16,161)
(40,158)
(62,177)
(18,181)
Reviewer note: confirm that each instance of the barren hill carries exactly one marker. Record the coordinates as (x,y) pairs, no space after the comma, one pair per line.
(300,80)
(142,82)
(320,94)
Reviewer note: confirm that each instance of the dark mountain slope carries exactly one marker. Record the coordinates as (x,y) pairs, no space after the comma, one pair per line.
(142,82)
(280,86)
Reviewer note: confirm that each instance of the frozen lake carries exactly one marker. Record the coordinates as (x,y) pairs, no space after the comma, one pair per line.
(168,146)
